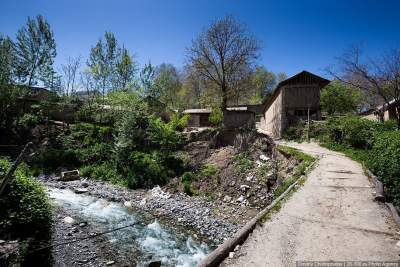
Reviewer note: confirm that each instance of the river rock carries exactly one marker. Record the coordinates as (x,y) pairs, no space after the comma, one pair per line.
(110,262)
(227,199)
(241,199)
(231,254)
(128,204)
(249,178)
(68,220)
(244,187)
(69,176)
(264,158)
(143,202)
(80,190)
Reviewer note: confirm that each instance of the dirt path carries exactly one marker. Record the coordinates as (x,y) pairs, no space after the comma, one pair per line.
(333,217)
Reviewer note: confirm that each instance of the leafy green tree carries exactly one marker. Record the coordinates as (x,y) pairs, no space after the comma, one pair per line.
(102,61)
(147,80)
(339,98)
(35,52)
(125,71)
(167,83)
(262,83)
(7,60)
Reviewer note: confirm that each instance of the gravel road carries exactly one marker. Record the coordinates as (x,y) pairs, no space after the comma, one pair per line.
(333,217)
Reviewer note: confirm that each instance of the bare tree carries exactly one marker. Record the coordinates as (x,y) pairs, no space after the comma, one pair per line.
(69,72)
(222,52)
(377,78)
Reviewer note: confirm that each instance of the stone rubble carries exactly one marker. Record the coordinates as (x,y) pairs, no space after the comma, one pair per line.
(191,212)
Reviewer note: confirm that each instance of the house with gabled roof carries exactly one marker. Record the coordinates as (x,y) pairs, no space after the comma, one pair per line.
(294,99)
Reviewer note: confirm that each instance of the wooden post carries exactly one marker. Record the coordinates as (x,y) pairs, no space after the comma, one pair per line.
(308,124)
(10,172)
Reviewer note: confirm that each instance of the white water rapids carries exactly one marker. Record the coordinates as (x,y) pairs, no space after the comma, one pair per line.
(147,243)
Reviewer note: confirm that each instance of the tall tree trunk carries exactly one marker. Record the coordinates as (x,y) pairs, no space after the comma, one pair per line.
(224,97)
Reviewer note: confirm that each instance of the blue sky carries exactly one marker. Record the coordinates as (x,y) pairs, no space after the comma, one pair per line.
(295,35)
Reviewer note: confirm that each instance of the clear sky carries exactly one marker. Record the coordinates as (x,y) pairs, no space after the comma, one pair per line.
(295,35)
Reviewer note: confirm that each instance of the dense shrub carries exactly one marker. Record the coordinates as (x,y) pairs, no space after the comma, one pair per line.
(29,120)
(217,116)
(187,179)
(167,135)
(384,161)
(105,172)
(146,170)
(352,130)
(356,132)
(24,206)
(52,158)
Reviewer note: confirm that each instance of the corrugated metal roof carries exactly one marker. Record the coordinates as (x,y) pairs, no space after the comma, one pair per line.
(197,110)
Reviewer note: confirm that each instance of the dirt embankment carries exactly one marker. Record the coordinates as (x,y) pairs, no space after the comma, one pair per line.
(238,169)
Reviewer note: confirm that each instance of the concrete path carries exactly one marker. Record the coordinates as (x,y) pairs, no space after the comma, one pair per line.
(333,217)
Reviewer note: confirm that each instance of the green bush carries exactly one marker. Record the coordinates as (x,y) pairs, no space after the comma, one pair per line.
(29,120)
(384,161)
(187,179)
(104,172)
(209,171)
(51,159)
(217,116)
(145,170)
(25,210)
(167,135)
(352,130)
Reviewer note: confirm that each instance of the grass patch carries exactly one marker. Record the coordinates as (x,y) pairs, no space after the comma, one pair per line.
(300,170)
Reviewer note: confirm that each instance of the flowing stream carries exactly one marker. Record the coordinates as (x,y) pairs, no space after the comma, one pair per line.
(147,241)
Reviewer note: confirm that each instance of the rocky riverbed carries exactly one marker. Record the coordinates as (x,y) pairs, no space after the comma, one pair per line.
(207,220)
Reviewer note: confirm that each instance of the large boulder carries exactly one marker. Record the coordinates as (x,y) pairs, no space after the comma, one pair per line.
(70,176)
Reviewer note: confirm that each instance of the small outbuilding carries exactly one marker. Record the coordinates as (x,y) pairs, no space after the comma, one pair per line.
(234,117)
(198,117)
(383,112)
(293,99)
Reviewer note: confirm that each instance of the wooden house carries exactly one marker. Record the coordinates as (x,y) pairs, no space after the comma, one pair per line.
(234,117)
(293,99)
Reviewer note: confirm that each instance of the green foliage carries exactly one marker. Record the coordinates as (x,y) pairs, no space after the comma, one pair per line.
(90,143)
(262,173)
(187,179)
(217,116)
(146,170)
(242,163)
(166,135)
(105,172)
(352,131)
(339,98)
(305,161)
(208,171)
(25,209)
(262,83)
(35,51)
(29,120)
(7,60)
(384,161)
(52,158)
